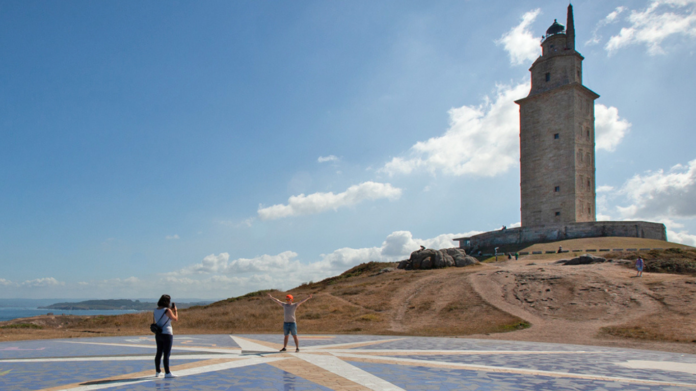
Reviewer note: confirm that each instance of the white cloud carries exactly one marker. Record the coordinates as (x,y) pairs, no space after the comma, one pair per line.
(664,197)
(603,217)
(248,222)
(172,237)
(330,158)
(398,245)
(520,42)
(651,26)
(322,202)
(216,276)
(660,195)
(285,270)
(221,264)
(609,127)
(481,140)
(682,237)
(611,18)
(49,281)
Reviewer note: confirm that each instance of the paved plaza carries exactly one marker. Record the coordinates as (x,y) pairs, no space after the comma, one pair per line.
(337,362)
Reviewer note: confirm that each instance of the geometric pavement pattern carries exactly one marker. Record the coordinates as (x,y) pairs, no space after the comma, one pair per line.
(337,362)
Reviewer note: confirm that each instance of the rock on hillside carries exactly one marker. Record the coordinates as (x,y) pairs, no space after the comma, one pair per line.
(584,259)
(437,259)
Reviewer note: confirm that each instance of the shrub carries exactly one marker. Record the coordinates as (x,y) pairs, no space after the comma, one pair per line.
(22,326)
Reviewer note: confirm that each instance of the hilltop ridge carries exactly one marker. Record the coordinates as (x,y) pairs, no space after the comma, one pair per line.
(532,299)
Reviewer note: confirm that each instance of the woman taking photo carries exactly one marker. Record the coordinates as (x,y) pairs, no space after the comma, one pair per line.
(164,315)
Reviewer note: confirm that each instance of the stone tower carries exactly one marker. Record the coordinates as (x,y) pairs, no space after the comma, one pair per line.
(557,134)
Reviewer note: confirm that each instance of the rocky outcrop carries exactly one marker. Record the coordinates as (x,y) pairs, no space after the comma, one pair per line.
(437,259)
(584,259)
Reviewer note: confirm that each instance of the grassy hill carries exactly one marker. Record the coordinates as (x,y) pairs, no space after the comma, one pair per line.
(533,299)
(361,300)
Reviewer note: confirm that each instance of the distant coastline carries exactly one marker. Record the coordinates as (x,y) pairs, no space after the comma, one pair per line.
(12,313)
(118,304)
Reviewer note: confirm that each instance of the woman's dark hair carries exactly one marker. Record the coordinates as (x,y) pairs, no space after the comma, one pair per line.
(164,301)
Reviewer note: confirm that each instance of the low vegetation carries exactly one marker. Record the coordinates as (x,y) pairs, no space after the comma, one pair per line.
(371,298)
(376,298)
(671,260)
(22,326)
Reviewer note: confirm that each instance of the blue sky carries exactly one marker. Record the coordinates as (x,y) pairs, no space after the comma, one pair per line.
(212,149)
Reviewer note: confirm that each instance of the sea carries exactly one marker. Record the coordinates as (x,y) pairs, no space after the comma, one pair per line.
(9,313)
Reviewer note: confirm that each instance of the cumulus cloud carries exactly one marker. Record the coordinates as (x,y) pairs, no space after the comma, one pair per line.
(285,270)
(396,246)
(682,237)
(221,264)
(661,194)
(49,281)
(659,21)
(520,43)
(609,127)
(217,276)
(172,237)
(330,158)
(481,140)
(609,19)
(322,202)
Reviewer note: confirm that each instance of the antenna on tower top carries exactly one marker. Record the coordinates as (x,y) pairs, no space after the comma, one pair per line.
(570,29)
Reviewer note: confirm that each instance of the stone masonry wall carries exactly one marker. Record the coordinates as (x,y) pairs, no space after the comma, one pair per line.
(557,170)
(519,237)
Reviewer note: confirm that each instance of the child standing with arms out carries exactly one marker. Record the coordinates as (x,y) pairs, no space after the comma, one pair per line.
(290,323)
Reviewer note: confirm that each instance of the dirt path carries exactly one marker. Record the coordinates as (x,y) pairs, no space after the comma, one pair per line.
(402,300)
(497,291)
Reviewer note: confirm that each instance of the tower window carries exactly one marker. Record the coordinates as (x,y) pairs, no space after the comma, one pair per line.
(557,189)
(588,185)
(548,77)
(588,134)
(589,211)
(558,213)
(556,136)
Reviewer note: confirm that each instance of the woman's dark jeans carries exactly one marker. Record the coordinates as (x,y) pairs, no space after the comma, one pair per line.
(164,345)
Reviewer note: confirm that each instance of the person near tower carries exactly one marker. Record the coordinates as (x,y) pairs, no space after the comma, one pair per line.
(640,264)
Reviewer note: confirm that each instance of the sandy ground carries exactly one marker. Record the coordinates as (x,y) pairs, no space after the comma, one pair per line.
(572,304)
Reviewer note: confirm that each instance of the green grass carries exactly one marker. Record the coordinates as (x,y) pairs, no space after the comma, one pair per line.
(672,260)
(635,332)
(22,326)
(521,325)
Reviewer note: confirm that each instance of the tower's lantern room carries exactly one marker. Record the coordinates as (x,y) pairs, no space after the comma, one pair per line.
(555,40)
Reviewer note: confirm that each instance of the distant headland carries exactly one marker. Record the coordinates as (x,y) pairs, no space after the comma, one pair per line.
(119,304)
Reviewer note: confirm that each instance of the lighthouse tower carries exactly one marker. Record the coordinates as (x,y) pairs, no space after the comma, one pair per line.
(557,135)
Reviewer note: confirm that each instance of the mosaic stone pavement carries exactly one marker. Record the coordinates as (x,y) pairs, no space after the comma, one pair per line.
(337,362)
